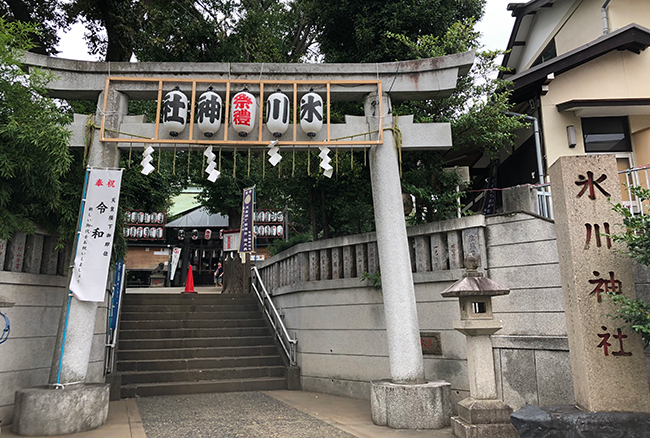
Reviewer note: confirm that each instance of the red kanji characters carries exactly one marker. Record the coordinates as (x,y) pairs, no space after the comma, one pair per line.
(242,101)
(241,105)
(590,183)
(111,183)
(619,336)
(604,344)
(596,228)
(99,183)
(611,285)
(241,117)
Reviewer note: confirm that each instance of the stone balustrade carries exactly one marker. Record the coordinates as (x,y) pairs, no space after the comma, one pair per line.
(437,253)
(34,254)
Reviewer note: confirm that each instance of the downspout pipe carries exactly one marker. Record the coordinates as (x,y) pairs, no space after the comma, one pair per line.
(538,142)
(603,12)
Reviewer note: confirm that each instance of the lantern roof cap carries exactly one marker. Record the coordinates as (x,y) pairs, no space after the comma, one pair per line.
(474,284)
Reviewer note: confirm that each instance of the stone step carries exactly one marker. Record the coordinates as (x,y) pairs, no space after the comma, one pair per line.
(199,363)
(191,323)
(231,332)
(197,344)
(165,299)
(189,353)
(191,308)
(202,374)
(176,388)
(150,316)
(144,344)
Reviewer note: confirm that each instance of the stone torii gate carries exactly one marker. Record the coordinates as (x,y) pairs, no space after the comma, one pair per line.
(404,401)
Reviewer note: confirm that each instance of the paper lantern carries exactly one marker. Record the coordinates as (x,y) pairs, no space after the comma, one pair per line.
(209,113)
(244,110)
(174,112)
(277,113)
(311,113)
(207,235)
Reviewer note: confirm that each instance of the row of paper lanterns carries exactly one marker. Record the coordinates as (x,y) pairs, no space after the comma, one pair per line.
(242,114)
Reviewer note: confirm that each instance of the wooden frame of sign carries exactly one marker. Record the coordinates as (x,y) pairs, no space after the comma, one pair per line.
(232,144)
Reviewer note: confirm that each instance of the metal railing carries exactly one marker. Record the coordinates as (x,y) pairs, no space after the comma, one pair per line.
(635,176)
(544,202)
(288,344)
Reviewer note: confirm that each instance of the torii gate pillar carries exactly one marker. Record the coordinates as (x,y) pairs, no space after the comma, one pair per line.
(406,401)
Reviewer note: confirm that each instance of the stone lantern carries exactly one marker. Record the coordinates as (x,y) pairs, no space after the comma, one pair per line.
(481,414)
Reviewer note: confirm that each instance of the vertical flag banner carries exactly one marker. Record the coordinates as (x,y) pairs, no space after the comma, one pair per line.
(176,254)
(246,229)
(96,231)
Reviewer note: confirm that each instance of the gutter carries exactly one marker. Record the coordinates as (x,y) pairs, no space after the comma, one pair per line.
(538,143)
(605,18)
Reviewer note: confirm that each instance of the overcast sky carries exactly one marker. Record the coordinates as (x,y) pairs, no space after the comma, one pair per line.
(495,27)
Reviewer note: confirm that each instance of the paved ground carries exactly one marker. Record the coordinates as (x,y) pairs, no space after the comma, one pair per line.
(229,415)
(268,414)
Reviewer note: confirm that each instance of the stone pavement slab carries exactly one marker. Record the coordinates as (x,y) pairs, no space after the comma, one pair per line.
(123,422)
(349,415)
(229,415)
(281,414)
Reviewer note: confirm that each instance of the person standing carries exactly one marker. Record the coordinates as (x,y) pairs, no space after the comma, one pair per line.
(218,275)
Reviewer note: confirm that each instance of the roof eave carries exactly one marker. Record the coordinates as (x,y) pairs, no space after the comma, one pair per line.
(632,37)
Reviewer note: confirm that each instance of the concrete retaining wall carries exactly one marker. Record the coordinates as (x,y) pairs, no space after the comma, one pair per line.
(339,321)
(37,294)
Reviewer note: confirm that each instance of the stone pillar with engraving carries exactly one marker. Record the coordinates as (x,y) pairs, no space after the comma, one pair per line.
(607,362)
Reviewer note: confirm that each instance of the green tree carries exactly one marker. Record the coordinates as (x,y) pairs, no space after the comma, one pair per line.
(34,156)
(226,31)
(44,15)
(476,111)
(358,31)
(119,19)
(636,237)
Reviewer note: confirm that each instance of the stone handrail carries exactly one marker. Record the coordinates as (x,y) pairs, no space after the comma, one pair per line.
(437,250)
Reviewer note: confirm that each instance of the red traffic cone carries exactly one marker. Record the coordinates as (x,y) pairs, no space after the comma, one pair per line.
(189,284)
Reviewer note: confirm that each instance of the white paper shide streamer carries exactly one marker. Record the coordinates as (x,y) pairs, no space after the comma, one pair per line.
(273,153)
(211,170)
(147,168)
(325,163)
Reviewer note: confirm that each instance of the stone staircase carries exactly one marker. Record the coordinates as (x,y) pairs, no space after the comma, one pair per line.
(186,344)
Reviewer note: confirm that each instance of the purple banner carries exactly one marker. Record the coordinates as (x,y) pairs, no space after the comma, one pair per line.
(246,229)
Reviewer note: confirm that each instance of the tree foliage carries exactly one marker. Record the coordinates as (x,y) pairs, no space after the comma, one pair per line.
(227,31)
(34,156)
(358,31)
(635,235)
(43,15)
(476,110)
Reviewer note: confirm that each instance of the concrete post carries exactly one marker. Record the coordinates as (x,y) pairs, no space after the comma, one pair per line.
(402,328)
(81,320)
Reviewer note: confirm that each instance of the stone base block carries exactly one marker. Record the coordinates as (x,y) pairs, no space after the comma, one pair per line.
(416,406)
(293,379)
(474,411)
(570,422)
(115,380)
(462,429)
(48,412)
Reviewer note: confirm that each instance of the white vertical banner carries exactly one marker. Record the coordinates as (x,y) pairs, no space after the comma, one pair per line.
(96,231)
(176,254)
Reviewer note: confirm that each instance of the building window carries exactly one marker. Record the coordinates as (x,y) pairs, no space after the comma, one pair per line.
(549,52)
(606,134)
